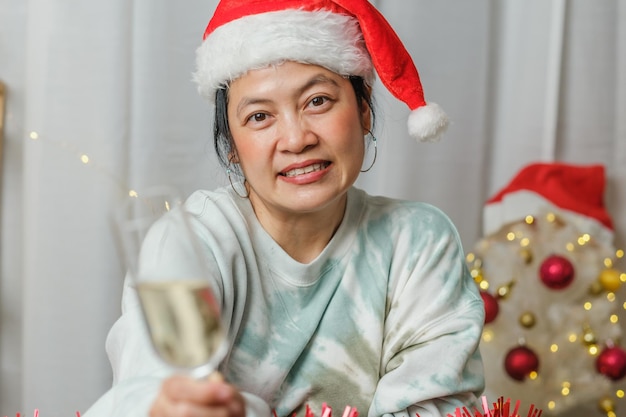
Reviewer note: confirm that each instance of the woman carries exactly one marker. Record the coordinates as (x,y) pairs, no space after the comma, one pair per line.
(329,295)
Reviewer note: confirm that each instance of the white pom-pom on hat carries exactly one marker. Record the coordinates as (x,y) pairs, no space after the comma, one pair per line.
(349,37)
(428,122)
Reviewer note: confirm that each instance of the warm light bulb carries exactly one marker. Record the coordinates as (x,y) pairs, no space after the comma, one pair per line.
(487,336)
(589,338)
(504,291)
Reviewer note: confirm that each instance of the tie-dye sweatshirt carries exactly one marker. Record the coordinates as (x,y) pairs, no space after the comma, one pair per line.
(386,319)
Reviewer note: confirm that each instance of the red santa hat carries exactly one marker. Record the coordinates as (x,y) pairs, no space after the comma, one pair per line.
(349,37)
(574,191)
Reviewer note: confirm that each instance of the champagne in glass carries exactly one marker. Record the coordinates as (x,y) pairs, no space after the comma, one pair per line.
(171,277)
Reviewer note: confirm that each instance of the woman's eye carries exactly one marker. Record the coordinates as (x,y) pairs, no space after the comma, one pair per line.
(318,101)
(257,117)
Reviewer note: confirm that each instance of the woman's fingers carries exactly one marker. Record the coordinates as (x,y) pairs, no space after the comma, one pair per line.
(181,396)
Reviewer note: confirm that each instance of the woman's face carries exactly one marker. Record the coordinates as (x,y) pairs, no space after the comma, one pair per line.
(298,134)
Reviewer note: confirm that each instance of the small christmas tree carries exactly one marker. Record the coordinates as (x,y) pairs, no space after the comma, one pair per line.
(547,273)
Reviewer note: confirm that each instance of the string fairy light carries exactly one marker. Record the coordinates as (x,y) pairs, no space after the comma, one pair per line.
(85,159)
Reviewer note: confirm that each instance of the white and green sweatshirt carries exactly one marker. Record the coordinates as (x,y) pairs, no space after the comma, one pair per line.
(386,319)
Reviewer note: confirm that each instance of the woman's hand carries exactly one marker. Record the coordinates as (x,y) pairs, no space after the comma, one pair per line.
(182,396)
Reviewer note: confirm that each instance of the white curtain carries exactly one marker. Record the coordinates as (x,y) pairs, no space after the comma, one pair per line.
(100,102)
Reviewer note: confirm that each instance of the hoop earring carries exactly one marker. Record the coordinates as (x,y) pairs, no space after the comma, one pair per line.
(229,172)
(375,153)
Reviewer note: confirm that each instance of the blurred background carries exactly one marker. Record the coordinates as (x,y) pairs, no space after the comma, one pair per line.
(99,101)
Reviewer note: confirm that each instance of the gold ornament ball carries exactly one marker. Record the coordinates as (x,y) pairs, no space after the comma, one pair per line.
(610,279)
(596,288)
(606,404)
(527,255)
(527,320)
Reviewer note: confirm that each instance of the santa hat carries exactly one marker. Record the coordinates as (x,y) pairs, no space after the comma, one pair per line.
(349,37)
(576,192)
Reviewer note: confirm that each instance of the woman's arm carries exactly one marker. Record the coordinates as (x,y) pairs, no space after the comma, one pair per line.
(143,385)
(431,363)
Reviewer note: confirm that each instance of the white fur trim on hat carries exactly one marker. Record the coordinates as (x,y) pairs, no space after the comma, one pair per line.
(331,40)
(519,204)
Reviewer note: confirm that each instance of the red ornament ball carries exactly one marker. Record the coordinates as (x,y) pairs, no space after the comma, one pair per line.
(520,362)
(611,362)
(491,306)
(556,272)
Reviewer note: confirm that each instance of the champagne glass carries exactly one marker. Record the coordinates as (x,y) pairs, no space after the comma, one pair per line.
(171,276)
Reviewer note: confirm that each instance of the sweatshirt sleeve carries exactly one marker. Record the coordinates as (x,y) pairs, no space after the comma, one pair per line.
(431,363)
(137,370)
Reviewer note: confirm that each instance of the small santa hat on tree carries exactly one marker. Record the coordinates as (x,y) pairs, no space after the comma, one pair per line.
(349,37)
(576,191)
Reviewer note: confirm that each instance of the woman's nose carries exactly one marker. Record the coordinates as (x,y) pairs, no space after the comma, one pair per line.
(296,135)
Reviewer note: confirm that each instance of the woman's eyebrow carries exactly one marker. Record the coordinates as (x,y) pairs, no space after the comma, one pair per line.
(246,101)
(313,81)
(317,79)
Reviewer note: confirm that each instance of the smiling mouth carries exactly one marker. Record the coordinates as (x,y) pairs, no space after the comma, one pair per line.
(305,170)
